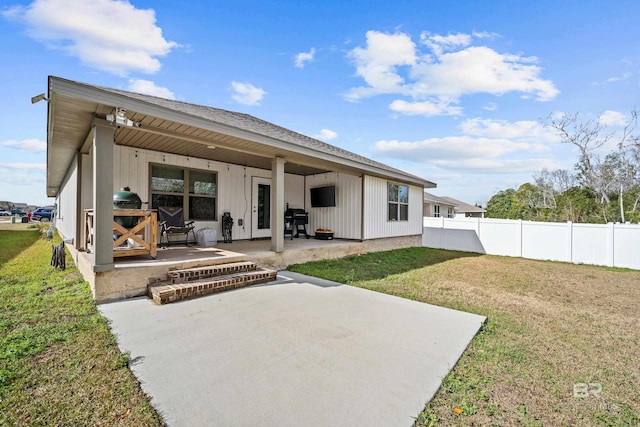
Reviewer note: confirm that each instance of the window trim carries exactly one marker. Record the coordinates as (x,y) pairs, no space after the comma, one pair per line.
(397,202)
(186,195)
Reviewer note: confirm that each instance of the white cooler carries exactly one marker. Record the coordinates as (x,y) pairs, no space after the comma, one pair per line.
(207,237)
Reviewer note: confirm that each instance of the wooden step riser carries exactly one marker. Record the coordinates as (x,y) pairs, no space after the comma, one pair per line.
(190,275)
(177,292)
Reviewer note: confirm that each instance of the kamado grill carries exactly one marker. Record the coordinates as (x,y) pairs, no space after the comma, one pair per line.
(295,222)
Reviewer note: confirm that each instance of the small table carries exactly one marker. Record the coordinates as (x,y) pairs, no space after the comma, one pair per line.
(122,234)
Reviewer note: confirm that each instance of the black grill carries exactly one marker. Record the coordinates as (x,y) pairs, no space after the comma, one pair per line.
(295,222)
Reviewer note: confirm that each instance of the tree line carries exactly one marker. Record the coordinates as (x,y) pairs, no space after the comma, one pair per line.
(603,187)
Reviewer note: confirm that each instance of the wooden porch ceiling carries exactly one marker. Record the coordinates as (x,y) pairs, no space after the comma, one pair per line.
(175,127)
(70,131)
(175,138)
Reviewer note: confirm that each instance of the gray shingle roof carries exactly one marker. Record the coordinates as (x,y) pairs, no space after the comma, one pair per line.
(255,125)
(462,206)
(432,198)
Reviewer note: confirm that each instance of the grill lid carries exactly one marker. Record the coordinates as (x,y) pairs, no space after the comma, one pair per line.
(126,199)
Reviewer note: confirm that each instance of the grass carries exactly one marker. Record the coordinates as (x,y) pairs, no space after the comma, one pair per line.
(59,363)
(554,331)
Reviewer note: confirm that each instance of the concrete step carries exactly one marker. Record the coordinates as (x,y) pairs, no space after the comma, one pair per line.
(166,293)
(199,273)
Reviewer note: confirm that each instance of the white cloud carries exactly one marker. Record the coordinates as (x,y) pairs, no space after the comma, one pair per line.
(612,118)
(425,108)
(24,166)
(485,146)
(23,180)
(451,147)
(110,35)
(439,43)
(247,94)
(525,130)
(31,145)
(479,69)
(303,57)
(326,135)
(377,63)
(149,88)
(451,68)
(504,166)
(490,106)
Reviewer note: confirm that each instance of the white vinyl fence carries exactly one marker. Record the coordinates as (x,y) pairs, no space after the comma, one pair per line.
(614,245)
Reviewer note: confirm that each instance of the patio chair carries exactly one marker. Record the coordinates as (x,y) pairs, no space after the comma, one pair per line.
(172,222)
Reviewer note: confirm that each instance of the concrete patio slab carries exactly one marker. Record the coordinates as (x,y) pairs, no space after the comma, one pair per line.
(299,351)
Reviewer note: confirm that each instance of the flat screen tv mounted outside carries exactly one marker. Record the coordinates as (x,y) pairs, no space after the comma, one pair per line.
(323,196)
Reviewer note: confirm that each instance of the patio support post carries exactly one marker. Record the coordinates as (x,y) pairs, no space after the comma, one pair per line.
(277,204)
(103,137)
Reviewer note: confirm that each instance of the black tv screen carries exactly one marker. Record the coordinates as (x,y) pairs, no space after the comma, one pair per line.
(323,196)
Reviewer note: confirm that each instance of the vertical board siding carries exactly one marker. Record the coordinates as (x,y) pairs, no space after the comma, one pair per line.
(233,184)
(344,219)
(376,224)
(66,203)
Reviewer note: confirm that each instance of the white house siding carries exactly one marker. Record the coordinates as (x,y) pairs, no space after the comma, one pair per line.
(344,219)
(86,186)
(233,182)
(376,224)
(66,203)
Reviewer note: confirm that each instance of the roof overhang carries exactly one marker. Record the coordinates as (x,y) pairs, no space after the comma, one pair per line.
(75,107)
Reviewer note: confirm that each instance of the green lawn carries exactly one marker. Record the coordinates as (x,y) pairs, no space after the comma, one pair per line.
(560,347)
(59,363)
(555,334)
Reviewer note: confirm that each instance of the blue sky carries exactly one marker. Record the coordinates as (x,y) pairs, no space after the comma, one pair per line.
(452,91)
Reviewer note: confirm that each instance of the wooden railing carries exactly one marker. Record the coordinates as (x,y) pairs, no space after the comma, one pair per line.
(128,241)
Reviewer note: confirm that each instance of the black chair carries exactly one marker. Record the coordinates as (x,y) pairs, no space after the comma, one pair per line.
(172,222)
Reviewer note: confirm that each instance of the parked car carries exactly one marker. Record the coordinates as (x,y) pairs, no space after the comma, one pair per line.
(18,212)
(5,213)
(42,214)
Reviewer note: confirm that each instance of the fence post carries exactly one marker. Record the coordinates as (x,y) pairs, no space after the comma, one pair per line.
(570,241)
(520,238)
(610,246)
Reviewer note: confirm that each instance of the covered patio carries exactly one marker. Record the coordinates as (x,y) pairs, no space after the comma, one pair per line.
(131,275)
(211,164)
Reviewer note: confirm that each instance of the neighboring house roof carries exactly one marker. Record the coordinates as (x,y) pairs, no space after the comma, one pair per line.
(242,139)
(432,198)
(464,207)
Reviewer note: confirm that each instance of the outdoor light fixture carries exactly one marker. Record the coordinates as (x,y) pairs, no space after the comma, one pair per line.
(120,118)
(38,98)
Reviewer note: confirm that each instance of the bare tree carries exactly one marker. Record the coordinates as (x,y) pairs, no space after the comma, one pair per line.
(589,135)
(546,189)
(562,180)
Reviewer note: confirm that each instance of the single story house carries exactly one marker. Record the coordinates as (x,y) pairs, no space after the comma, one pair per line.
(465,210)
(448,207)
(211,161)
(435,206)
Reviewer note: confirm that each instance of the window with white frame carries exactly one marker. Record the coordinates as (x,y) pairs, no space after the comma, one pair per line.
(397,202)
(194,190)
(450,213)
(436,210)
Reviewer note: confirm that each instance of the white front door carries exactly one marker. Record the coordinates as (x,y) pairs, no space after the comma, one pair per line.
(261,207)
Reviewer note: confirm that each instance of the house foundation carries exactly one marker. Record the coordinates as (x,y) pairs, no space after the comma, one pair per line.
(131,276)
